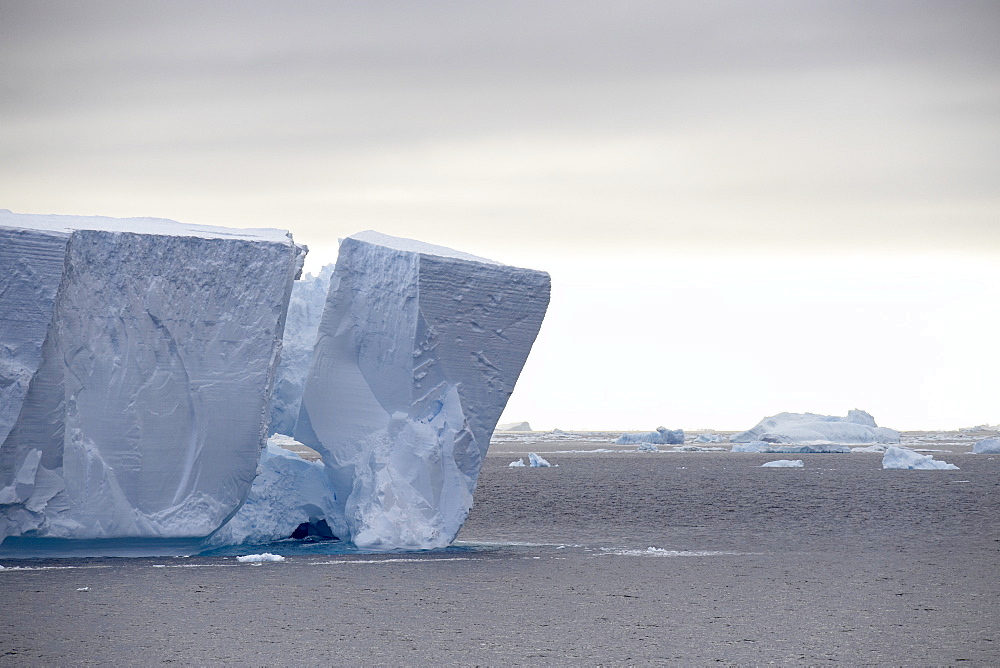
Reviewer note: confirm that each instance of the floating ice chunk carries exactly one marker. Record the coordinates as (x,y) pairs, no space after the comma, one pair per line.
(647,447)
(857,427)
(83,588)
(537,460)
(901,458)
(287,493)
(519,463)
(987,446)
(784,464)
(417,353)
(305,310)
(257,558)
(662,436)
(145,408)
(708,438)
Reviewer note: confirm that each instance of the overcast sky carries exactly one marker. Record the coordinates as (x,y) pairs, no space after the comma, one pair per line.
(746,207)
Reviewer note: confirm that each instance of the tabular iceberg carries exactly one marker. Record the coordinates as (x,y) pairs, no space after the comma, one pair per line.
(417,353)
(136,363)
(662,436)
(857,427)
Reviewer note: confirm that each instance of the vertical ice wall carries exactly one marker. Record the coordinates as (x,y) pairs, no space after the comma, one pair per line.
(305,310)
(146,405)
(418,351)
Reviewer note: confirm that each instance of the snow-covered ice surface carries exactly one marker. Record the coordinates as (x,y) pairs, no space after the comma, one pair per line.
(136,362)
(417,353)
(987,446)
(516,464)
(857,428)
(903,458)
(662,436)
(784,464)
(305,310)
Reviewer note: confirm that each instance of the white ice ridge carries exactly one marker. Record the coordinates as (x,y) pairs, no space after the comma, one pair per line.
(136,362)
(417,353)
(902,458)
(857,427)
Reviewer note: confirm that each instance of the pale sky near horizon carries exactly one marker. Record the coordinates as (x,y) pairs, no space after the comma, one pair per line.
(746,208)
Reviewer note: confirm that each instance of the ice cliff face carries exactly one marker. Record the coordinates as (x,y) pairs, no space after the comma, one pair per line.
(305,310)
(857,427)
(417,353)
(136,361)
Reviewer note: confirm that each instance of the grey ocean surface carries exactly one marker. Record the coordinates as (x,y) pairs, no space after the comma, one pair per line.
(608,558)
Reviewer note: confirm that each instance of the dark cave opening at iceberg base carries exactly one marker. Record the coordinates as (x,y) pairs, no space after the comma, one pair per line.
(316,531)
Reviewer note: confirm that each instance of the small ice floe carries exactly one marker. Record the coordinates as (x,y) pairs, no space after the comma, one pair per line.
(708,438)
(647,447)
(660,552)
(519,463)
(784,464)
(537,461)
(901,458)
(266,556)
(987,446)
(83,588)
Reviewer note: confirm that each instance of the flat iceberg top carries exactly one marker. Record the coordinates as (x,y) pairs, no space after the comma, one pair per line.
(413,246)
(61,224)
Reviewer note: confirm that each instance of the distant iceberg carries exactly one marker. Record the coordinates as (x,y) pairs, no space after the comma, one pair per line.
(858,427)
(987,446)
(800,449)
(514,426)
(662,436)
(901,458)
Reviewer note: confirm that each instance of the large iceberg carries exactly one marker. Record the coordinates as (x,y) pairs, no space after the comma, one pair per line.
(137,358)
(305,310)
(857,427)
(417,353)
